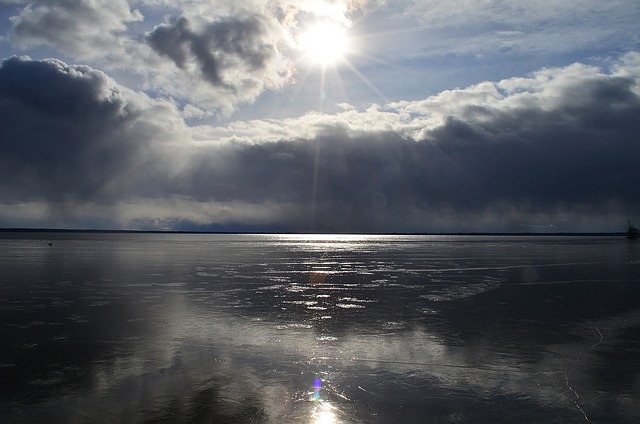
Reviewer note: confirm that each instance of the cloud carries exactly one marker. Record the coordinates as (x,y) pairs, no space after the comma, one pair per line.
(522,13)
(211,56)
(557,149)
(238,54)
(216,55)
(499,27)
(56,117)
(85,29)
(70,131)
(222,55)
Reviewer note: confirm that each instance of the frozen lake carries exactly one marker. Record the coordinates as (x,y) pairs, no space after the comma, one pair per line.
(141,328)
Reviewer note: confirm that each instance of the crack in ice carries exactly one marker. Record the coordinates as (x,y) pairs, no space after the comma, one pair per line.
(566,375)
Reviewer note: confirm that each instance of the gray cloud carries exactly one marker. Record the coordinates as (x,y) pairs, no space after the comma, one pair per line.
(58,129)
(172,40)
(223,54)
(70,134)
(87,29)
(557,150)
(221,49)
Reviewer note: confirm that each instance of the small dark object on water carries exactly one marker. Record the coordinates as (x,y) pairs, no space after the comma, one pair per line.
(50,244)
(632,232)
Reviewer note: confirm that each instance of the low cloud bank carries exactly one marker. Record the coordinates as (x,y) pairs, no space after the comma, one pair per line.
(554,151)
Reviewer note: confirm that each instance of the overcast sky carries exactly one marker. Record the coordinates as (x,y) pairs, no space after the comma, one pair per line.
(401,116)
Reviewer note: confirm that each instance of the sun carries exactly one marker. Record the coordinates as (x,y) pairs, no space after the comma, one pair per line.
(325,43)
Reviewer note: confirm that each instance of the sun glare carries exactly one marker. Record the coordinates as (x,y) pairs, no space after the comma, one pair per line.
(325,43)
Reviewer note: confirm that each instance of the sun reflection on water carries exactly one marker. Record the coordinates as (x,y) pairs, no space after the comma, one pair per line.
(324,414)
(330,242)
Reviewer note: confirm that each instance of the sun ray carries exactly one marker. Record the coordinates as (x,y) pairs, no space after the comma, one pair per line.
(328,49)
(322,91)
(340,82)
(367,82)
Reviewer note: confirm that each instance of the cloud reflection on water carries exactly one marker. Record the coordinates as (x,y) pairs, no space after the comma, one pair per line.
(201,336)
(248,367)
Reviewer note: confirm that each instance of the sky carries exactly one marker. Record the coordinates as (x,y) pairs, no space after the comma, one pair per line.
(320,116)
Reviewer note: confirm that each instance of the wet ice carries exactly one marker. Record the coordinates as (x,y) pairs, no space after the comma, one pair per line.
(239,328)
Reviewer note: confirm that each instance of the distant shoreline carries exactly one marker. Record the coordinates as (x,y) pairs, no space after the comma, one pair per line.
(98,231)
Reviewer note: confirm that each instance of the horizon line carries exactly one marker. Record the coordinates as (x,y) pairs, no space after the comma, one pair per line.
(464,233)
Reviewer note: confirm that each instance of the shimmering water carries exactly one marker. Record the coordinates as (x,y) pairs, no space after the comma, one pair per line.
(142,328)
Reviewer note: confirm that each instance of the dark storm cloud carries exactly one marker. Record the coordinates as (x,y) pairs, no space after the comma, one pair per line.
(219,48)
(60,128)
(537,162)
(559,146)
(565,150)
(584,150)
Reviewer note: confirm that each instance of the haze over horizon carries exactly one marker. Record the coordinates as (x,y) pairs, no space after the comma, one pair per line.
(329,116)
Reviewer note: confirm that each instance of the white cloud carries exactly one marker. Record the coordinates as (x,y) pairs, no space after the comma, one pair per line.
(517,13)
(543,26)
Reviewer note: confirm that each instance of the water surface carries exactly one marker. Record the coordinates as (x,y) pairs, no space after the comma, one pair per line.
(138,328)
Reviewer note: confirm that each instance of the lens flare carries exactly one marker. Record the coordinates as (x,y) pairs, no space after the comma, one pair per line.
(317,385)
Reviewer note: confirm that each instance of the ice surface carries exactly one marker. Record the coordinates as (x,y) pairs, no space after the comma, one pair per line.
(318,329)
